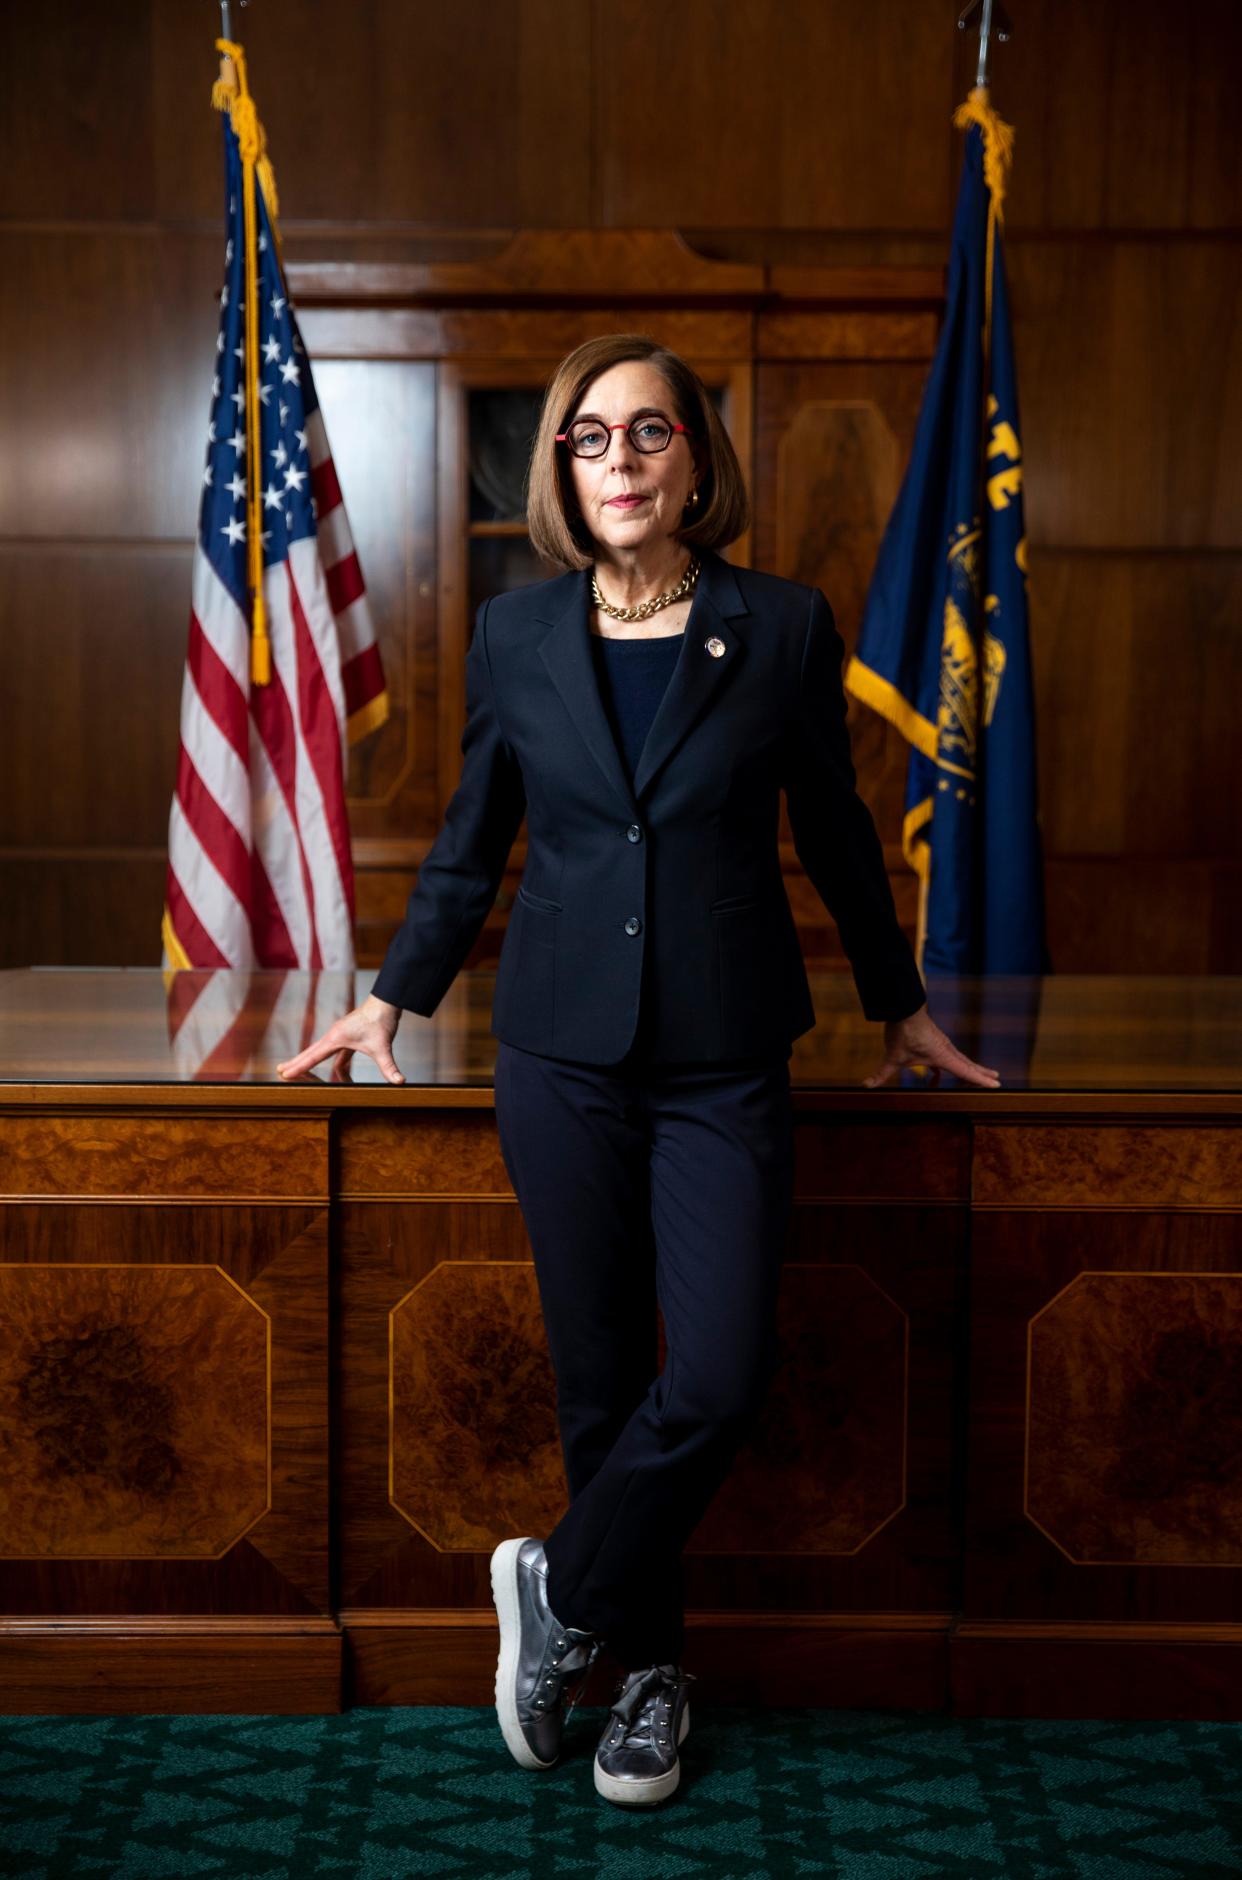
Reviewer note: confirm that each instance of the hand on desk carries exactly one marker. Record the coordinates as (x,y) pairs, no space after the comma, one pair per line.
(919,1040)
(370,1028)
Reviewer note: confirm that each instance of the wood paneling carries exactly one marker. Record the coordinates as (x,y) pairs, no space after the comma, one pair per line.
(172,1158)
(780,137)
(102,1667)
(1128,356)
(1108,1166)
(1111,1500)
(1003,1427)
(166,1368)
(451,1157)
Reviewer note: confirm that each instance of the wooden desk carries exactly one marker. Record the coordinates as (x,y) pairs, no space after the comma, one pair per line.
(273,1379)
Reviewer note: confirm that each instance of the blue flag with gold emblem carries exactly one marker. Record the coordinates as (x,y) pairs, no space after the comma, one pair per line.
(943,651)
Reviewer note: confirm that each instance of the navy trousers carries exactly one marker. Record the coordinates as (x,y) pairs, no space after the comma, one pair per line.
(641,1182)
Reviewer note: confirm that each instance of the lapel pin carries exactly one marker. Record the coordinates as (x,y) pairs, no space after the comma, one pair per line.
(714,646)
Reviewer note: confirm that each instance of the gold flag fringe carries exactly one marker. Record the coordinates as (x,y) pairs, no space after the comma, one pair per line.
(997,161)
(231,93)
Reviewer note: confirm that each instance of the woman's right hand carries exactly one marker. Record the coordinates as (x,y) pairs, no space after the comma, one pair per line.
(370,1027)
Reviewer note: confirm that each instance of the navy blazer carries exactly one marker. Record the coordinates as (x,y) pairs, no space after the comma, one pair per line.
(680,873)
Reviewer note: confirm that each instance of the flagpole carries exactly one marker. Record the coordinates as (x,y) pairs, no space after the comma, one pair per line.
(985,9)
(985,33)
(997,140)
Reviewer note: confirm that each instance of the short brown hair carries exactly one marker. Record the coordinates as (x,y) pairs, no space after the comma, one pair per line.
(553,519)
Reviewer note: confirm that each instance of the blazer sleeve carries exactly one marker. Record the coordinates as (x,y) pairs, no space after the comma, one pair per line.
(833,832)
(461,873)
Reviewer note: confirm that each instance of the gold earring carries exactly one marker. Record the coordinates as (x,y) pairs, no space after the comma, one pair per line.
(692,499)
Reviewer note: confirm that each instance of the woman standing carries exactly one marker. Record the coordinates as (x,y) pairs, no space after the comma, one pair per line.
(643,712)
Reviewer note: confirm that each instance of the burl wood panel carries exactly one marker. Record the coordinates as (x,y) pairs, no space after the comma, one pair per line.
(164,1386)
(448,1429)
(386,1249)
(825,1467)
(1123,1165)
(845,1494)
(1105,1419)
(473,1443)
(166,1156)
(1134,1419)
(135,1404)
(420,1153)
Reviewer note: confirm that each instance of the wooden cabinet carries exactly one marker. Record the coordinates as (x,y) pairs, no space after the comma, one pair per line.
(432,376)
(274,1379)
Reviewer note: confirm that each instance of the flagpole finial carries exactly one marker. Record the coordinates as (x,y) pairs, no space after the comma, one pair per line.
(226,30)
(991,15)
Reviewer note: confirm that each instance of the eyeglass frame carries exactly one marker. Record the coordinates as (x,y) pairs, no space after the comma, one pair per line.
(562,437)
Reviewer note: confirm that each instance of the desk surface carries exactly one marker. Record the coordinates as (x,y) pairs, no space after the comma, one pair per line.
(95,1035)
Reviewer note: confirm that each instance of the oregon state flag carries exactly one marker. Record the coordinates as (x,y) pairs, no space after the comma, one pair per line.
(943,651)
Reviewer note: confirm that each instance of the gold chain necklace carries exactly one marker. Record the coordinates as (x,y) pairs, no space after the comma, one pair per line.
(645,609)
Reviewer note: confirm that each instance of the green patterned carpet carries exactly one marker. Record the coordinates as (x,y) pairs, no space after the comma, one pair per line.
(378,1794)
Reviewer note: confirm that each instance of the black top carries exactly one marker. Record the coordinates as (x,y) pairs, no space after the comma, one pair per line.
(632,675)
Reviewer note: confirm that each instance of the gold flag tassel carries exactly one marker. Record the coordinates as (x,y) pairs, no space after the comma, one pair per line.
(997,159)
(231,93)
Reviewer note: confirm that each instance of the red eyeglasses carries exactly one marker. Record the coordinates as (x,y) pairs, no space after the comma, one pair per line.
(648,433)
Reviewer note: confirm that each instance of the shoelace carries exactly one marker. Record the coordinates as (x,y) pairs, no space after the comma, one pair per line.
(562,1647)
(645,1705)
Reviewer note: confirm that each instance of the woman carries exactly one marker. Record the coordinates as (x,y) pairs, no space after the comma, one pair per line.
(643,711)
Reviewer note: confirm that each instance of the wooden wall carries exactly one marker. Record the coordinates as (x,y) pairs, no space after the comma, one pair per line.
(804,130)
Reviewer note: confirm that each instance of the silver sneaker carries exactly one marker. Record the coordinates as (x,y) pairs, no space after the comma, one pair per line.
(636,1762)
(538,1656)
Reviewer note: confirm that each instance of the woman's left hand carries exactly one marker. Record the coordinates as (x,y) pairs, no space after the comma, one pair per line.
(919,1040)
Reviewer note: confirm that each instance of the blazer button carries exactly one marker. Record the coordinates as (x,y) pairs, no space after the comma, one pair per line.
(634,833)
(633,924)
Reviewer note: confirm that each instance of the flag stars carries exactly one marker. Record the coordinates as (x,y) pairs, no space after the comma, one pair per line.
(271,349)
(279,456)
(276,303)
(294,478)
(224,295)
(302,444)
(238,441)
(237,488)
(272,497)
(239,352)
(284,414)
(265,392)
(238,396)
(262,242)
(289,372)
(207,477)
(235,530)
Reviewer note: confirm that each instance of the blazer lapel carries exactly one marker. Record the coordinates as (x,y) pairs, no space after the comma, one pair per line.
(566,652)
(696,677)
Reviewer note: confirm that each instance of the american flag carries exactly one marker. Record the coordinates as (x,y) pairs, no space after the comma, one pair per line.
(259,865)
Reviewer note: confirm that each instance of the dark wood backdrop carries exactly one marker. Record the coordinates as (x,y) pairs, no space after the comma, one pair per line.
(805,132)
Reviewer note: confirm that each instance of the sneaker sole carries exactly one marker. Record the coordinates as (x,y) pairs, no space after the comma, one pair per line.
(505,1600)
(642,1791)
